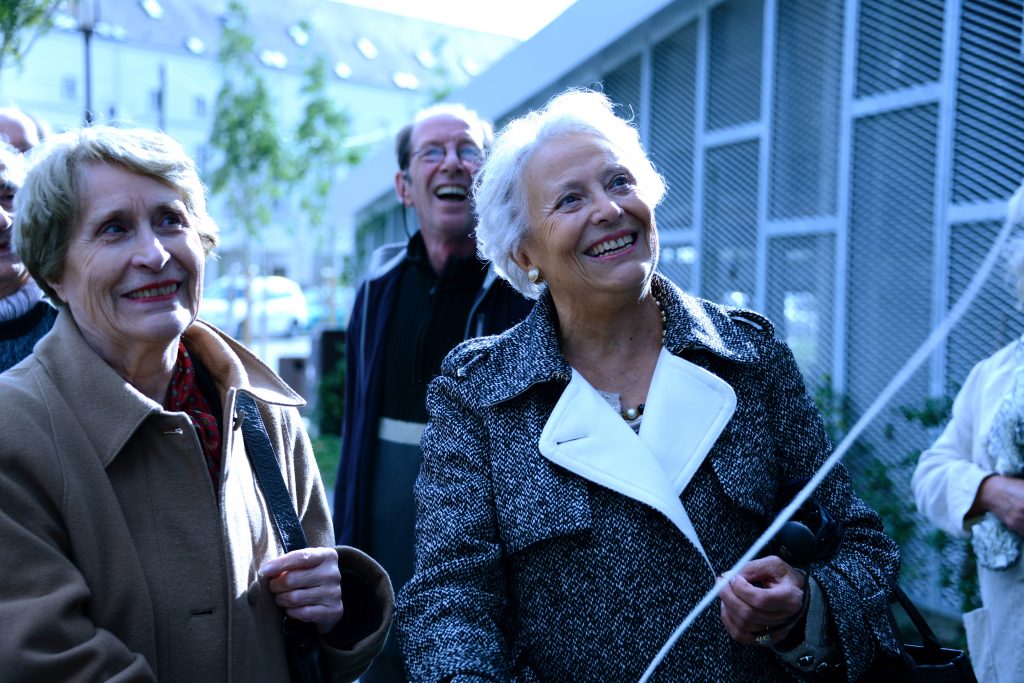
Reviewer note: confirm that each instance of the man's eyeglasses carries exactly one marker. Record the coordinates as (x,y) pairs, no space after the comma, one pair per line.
(434,154)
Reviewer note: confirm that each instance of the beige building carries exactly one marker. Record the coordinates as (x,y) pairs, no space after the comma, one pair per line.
(154,63)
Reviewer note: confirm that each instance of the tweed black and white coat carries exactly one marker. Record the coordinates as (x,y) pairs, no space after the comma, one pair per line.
(528,571)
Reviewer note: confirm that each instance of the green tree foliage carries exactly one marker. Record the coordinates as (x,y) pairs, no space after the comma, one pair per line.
(21,22)
(259,159)
(445,86)
(252,167)
(319,150)
(330,401)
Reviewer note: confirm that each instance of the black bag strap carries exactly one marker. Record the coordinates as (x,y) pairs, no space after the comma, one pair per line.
(928,638)
(304,658)
(268,474)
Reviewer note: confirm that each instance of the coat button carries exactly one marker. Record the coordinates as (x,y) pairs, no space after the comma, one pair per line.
(805,662)
(253,594)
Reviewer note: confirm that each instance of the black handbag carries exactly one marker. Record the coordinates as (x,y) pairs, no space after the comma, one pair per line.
(812,535)
(301,640)
(928,662)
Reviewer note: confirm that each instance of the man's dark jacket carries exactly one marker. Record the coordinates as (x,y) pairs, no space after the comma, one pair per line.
(496,308)
(19,335)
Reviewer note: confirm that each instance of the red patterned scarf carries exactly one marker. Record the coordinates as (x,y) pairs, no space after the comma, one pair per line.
(185,396)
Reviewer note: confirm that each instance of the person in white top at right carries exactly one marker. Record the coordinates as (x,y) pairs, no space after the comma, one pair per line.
(969,483)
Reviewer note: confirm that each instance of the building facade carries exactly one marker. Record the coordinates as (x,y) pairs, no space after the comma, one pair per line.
(153,63)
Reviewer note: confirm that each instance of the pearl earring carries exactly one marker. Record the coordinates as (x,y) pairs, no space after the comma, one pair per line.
(533,274)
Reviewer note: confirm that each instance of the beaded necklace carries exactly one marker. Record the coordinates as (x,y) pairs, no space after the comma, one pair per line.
(631,414)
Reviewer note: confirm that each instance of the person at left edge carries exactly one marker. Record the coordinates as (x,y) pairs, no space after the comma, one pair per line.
(19,130)
(138,546)
(24,315)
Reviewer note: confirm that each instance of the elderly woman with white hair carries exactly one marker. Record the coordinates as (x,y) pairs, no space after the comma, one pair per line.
(589,474)
(970,483)
(157,487)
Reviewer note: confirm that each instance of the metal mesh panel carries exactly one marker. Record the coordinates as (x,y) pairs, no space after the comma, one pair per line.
(672,120)
(890,245)
(677,263)
(893,148)
(989,136)
(889,303)
(993,320)
(734,63)
(799,301)
(622,86)
(805,116)
(730,226)
(900,44)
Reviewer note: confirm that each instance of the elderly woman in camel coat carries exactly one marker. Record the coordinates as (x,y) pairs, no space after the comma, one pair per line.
(137,543)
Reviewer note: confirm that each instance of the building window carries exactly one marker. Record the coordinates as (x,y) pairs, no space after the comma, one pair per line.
(367,48)
(69,88)
(471,66)
(274,59)
(199,106)
(342,70)
(299,34)
(152,8)
(195,45)
(426,58)
(155,100)
(201,157)
(405,80)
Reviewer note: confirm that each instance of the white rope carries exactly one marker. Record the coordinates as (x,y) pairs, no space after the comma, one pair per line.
(897,382)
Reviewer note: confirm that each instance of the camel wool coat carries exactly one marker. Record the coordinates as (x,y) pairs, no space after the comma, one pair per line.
(119,562)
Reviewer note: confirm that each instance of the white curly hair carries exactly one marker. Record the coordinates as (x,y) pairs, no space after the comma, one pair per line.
(499,189)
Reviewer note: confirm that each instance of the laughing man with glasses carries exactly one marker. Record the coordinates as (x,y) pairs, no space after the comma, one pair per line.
(419,300)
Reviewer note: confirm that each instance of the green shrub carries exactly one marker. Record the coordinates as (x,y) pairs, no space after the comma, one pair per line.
(327,451)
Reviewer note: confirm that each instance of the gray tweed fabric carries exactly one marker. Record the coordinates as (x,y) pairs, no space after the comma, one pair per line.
(528,572)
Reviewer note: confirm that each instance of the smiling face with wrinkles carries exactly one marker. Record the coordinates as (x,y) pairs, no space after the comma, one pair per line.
(590,232)
(445,153)
(134,266)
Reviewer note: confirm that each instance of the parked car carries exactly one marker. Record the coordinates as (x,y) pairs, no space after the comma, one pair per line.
(319,302)
(277,302)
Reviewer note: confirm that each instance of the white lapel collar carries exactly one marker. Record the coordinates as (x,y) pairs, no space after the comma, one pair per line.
(686,410)
(586,436)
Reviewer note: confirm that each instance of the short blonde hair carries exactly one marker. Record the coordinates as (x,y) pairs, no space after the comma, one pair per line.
(499,189)
(48,205)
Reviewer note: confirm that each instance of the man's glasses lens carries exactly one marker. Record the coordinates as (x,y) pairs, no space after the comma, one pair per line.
(435,153)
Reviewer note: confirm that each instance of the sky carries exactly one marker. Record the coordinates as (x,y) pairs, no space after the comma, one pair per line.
(516,18)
